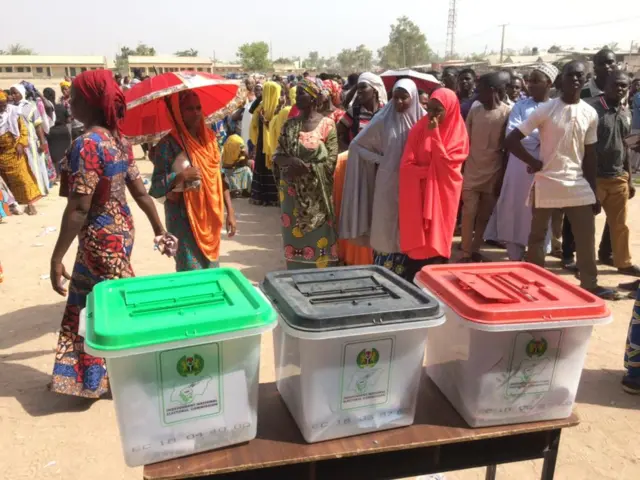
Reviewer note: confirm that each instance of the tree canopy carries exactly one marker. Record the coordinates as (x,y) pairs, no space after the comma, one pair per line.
(314,61)
(187,53)
(355,60)
(407,46)
(254,56)
(283,61)
(17,49)
(142,50)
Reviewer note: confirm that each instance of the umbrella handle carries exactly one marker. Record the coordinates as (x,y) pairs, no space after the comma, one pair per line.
(175,122)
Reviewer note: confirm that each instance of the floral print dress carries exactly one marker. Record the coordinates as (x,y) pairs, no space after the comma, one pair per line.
(308,221)
(98,164)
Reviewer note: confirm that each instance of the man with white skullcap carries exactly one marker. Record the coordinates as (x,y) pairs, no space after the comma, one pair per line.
(565,173)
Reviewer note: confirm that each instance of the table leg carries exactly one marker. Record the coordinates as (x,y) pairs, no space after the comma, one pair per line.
(491,472)
(550,456)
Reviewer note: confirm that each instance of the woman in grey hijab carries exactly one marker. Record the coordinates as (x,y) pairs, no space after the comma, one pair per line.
(370,201)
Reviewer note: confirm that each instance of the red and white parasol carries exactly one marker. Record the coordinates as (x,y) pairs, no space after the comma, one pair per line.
(424,81)
(148,119)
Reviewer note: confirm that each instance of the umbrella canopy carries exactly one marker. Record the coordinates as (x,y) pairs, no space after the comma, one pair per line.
(148,119)
(424,81)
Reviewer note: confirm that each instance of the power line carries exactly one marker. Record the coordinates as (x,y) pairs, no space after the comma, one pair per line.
(584,25)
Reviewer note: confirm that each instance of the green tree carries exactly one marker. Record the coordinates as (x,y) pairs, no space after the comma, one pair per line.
(358,59)
(407,46)
(254,56)
(144,50)
(554,49)
(283,61)
(331,64)
(314,61)
(187,53)
(122,58)
(17,49)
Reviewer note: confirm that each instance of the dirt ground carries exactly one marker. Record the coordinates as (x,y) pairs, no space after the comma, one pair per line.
(47,436)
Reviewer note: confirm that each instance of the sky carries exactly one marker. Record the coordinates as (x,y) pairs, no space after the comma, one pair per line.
(296,28)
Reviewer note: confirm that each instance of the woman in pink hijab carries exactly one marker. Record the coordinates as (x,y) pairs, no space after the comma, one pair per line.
(431,180)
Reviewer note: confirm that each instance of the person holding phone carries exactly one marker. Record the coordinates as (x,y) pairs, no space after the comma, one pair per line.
(431,181)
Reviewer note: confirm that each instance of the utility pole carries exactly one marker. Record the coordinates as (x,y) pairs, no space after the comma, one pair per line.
(214,61)
(404,53)
(504,26)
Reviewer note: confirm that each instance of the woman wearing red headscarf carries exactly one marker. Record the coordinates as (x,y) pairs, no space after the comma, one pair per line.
(95,172)
(431,181)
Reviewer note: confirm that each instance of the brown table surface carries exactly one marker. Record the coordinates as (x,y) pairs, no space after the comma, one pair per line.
(279,442)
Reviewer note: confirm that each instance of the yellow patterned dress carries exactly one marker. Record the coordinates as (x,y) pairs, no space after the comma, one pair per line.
(15,169)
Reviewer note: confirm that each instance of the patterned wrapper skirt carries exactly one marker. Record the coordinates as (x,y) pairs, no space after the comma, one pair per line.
(315,249)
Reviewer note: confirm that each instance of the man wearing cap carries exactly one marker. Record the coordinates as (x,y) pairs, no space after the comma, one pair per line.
(565,173)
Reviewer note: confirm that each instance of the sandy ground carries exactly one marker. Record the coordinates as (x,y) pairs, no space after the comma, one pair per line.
(46,436)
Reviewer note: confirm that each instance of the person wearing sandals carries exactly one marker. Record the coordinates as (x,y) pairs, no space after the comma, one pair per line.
(14,168)
(97,172)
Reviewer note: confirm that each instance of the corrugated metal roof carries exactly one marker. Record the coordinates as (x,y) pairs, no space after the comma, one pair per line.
(51,60)
(168,59)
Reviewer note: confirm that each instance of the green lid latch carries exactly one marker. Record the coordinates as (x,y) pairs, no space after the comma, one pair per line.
(143,301)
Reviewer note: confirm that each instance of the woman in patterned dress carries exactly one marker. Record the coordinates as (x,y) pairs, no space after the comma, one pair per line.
(195,216)
(14,167)
(36,150)
(35,97)
(306,158)
(97,172)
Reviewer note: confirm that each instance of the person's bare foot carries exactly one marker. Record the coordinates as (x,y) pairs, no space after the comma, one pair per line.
(31,210)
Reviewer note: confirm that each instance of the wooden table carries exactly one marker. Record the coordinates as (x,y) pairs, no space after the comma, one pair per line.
(438,441)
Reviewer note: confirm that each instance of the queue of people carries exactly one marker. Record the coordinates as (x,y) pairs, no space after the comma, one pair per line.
(361,175)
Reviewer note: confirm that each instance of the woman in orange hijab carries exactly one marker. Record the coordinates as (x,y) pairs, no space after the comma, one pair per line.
(431,181)
(187,171)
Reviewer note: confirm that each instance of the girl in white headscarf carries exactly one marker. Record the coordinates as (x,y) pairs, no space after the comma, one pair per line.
(371,96)
(36,151)
(369,211)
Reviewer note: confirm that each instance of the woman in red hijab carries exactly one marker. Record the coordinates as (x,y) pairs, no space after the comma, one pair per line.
(431,180)
(95,172)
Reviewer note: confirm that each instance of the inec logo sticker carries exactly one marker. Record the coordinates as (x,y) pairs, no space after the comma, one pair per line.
(368,358)
(191,365)
(537,348)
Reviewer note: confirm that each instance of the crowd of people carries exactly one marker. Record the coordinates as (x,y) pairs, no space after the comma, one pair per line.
(361,173)
(35,133)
